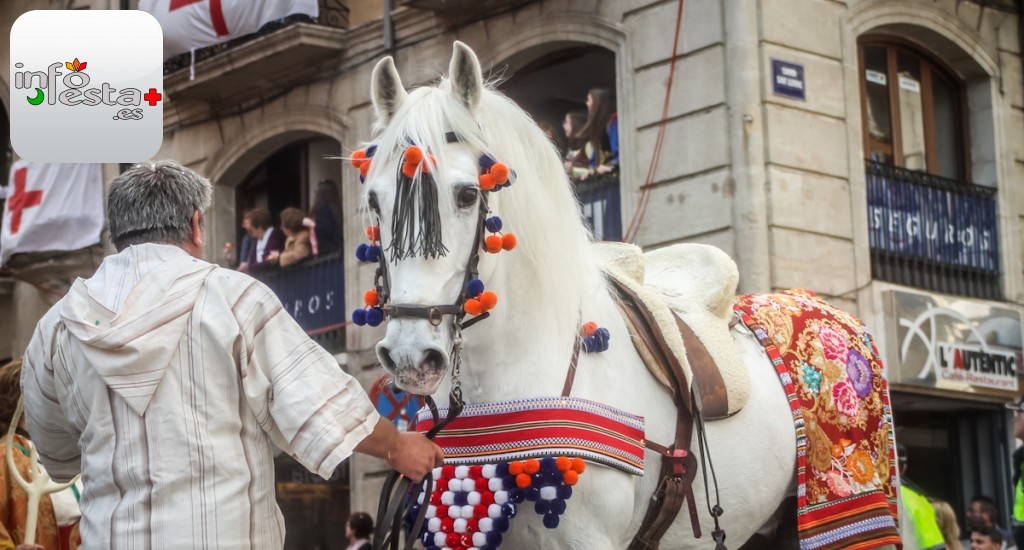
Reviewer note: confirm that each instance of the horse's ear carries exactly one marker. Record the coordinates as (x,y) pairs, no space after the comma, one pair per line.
(464,72)
(386,88)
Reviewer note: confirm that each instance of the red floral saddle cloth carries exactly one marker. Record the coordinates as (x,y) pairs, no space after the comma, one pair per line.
(834,380)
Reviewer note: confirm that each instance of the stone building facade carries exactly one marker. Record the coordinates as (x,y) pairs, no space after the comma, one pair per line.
(921,99)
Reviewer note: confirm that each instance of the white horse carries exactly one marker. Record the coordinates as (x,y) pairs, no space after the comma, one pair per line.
(544,285)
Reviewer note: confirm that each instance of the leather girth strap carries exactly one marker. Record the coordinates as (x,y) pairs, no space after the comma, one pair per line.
(678,464)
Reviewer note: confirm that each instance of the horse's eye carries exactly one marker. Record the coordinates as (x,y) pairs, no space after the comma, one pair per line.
(372,203)
(467,197)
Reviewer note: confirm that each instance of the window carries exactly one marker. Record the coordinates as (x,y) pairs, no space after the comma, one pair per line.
(913,111)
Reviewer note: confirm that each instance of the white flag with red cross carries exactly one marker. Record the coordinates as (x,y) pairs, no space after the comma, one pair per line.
(51,207)
(192,24)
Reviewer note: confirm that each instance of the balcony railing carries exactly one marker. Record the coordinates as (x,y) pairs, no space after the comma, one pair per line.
(599,199)
(313,293)
(332,13)
(933,233)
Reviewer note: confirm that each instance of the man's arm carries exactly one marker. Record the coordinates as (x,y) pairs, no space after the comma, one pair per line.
(409,453)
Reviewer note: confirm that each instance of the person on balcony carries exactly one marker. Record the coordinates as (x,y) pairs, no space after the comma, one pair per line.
(296,246)
(575,158)
(168,382)
(326,213)
(601,132)
(268,239)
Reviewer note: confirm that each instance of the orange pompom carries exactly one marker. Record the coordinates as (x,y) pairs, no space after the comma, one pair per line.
(523,481)
(358,158)
(493,244)
(578,465)
(515,468)
(532,466)
(409,170)
(508,241)
(371,298)
(364,168)
(373,233)
(589,328)
(487,182)
(431,161)
(488,300)
(570,477)
(563,463)
(499,172)
(413,154)
(473,307)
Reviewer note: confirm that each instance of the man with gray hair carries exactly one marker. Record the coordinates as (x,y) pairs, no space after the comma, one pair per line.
(167,381)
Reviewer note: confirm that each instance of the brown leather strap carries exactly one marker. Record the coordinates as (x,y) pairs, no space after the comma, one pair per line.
(711,397)
(678,465)
(571,375)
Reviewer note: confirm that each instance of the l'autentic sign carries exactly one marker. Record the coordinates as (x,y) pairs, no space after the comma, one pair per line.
(953,343)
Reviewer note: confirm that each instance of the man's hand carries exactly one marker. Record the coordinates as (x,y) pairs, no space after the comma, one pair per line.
(414,456)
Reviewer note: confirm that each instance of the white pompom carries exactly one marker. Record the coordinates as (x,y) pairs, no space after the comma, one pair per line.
(486,526)
(419,498)
(434,525)
(489,470)
(455,512)
(468,484)
(460,525)
(436,473)
(431,511)
(495,484)
(454,484)
(479,539)
(473,498)
(467,511)
(462,472)
(501,497)
(494,511)
(548,493)
(440,540)
(447,498)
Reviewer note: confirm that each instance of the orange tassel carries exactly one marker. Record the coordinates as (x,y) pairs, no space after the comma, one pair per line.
(532,466)
(371,298)
(413,154)
(589,328)
(473,307)
(493,244)
(571,477)
(373,233)
(578,465)
(358,158)
(409,170)
(515,468)
(488,300)
(523,481)
(508,241)
(499,172)
(563,464)
(487,182)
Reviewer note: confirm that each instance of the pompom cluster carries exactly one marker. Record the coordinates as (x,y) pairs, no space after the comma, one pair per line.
(595,338)
(370,252)
(413,160)
(471,506)
(497,241)
(361,160)
(372,314)
(494,176)
(478,300)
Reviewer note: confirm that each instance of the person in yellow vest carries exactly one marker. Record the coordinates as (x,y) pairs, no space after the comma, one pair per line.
(919,527)
(1018,482)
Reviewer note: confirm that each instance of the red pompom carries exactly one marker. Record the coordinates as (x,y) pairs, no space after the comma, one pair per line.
(532,466)
(358,158)
(493,244)
(508,241)
(570,477)
(371,297)
(523,480)
(476,471)
(589,328)
(409,170)
(413,154)
(486,499)
(563,464)
(487,301)
(481,484)
(487,182)
(499,172)
(448,471)
(435,499)
(578,465)
(473,307)
(442,510)
(515,468)
(373,233)
(480,510)
(448,526)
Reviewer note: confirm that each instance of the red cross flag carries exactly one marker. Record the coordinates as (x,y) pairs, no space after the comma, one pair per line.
(193,24)
(51,207)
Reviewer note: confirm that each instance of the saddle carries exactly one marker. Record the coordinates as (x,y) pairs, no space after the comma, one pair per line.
(685,293)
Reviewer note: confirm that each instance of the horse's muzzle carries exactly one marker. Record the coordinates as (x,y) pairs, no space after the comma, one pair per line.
(413,369)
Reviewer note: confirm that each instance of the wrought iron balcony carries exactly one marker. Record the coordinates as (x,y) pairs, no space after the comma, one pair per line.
(933,233)
(601,204)
(313,293)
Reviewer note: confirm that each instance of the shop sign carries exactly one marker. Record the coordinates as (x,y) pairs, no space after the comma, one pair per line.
(951,343)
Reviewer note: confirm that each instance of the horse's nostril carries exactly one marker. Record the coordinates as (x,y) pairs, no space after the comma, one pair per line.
(433,360)
(384,354)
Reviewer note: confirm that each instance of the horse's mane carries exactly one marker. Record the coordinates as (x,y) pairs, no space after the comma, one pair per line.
(553,262)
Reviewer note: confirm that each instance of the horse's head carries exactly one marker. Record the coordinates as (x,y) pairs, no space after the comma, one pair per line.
(428,205)
(429,193)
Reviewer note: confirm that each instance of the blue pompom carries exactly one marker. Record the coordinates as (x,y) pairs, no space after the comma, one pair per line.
(486,161)
(603,345)
(511,177)
(374,316)
(564,491)
(460,498)
(501,470)
(493,224)
(603,334)
(474,288)
(542,506)
(555,479)
(532,493)
(361,251)
(508,483)
(588,344)
(509,510)
(372,253)
(494,536)
(371,150)
(539,479)
(548,464)
(558,506)
(362,179)
(500,525)
(551,520)
(516,496)
(359,317)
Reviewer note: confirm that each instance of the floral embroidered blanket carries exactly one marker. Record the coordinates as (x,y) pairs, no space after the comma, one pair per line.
(834,380)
